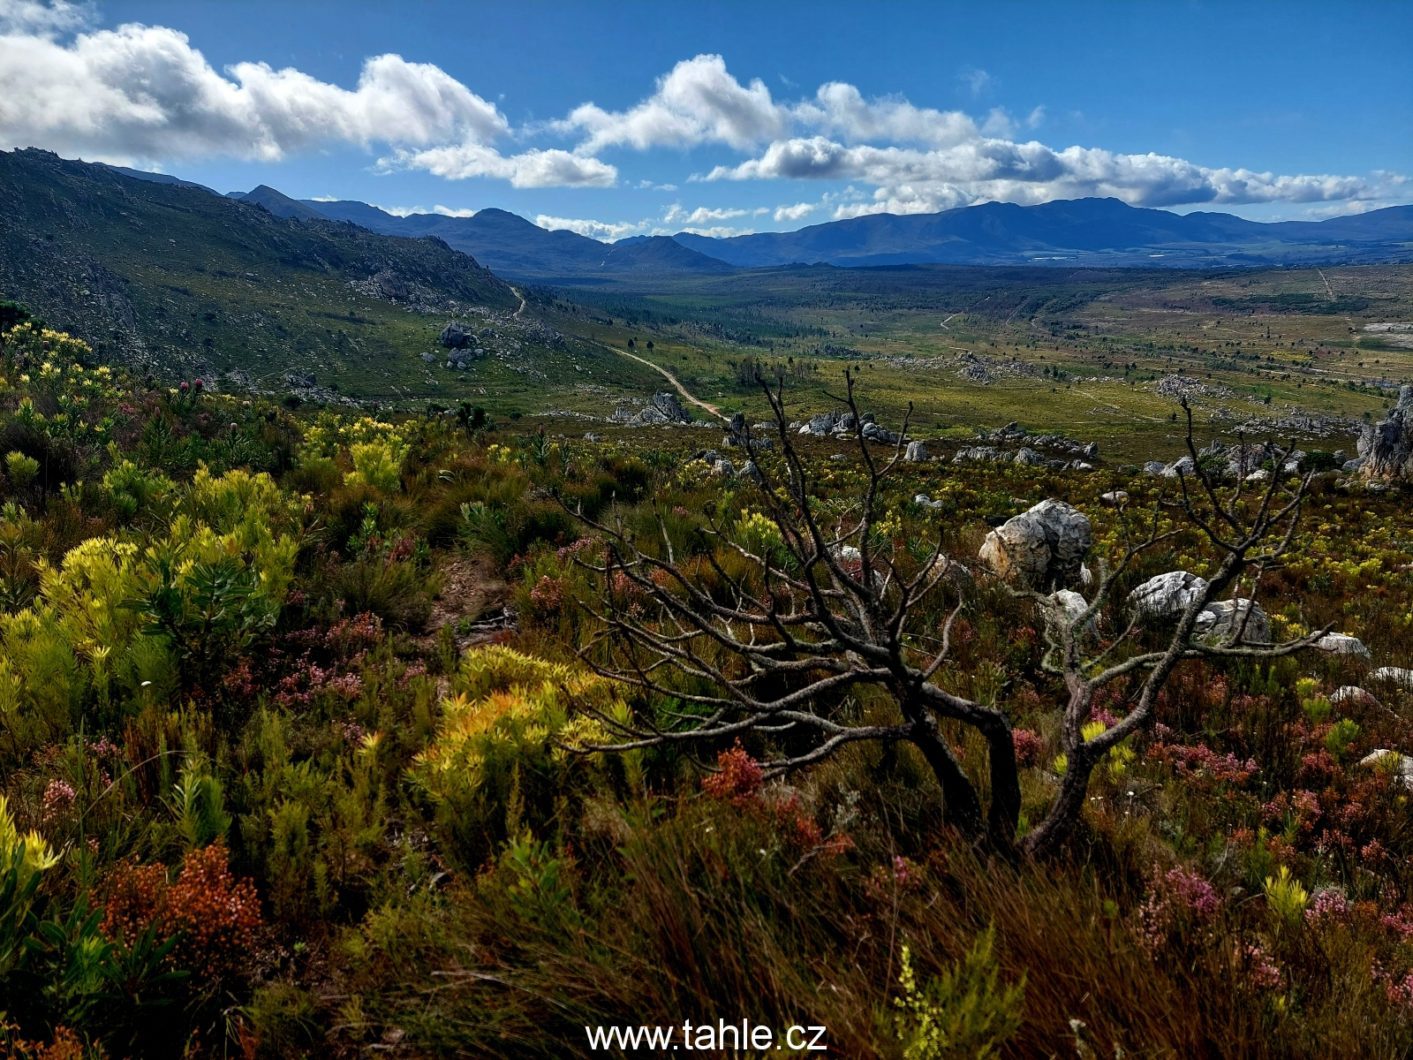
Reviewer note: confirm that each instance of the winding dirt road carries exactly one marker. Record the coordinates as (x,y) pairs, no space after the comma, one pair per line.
(691,398)
(676,383)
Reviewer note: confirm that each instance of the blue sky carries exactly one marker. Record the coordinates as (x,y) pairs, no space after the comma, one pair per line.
(628,117)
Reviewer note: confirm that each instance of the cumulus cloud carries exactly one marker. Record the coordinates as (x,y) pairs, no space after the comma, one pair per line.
(916,158)
(607,231)
(840,110)
(537,168)
(144,94)
(797,212)
(676,214)
(913,180)
(409,211)
(44,19)
(697,102)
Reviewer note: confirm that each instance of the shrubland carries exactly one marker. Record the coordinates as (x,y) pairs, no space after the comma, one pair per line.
(301,730)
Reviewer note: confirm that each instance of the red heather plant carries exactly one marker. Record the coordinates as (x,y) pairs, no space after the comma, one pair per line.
(738,779)
(214,914)
(1178,902)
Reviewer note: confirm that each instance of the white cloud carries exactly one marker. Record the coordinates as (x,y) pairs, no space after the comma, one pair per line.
(44,19)
(530,169)
(910,180)
(144,93)
(797,212)
(697,102)
(919,159)
(408,211)
(978,82)
(999,124)
(675,214)
(607,231)
(839,109)
(714,231)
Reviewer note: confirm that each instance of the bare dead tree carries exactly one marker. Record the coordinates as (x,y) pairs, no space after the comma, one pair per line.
(779,644)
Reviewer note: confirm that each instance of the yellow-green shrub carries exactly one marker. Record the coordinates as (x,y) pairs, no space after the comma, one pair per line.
(501,757)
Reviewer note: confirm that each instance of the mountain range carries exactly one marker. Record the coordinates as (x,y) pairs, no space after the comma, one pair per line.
(1103,232)
(1077,232)
(1084,232)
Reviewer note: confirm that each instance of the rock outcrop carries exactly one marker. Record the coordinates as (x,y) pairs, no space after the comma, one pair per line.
(664,408)
(1386,447)
(1041,549)
(1222,620)
(1166,596)
(457,336)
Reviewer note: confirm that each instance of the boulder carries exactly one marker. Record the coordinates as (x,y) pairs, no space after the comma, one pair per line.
(723,468)
(1166,596)
(1398,766)
(979,454)
(922,500)
(1042,549)
(1342,644)
(916,453)
(820,426)
(1028,456)
(1353,694)
(1115,498)
(1396,675)
(1386,447)
(1182,467)
(1220,621)
(1154,467)
(457,336)
(874,433)
(664,408)
(1066,606)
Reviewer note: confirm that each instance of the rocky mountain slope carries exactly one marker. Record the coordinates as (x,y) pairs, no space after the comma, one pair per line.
(169,276)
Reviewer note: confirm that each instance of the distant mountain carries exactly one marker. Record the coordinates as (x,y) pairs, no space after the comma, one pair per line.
(277,203)
(514,247)
(1071,232)
(172,276)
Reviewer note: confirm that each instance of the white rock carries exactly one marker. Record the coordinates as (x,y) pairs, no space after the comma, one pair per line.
(1166,596)
(1114,498)
(1395,674)
(1342,644)
(1067,606)
(1352,694)
(1185,466)
(1400,766)
(1042,548)
(916,453)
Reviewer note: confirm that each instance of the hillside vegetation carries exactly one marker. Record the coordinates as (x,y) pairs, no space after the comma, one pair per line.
(298,724)
(173,279)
